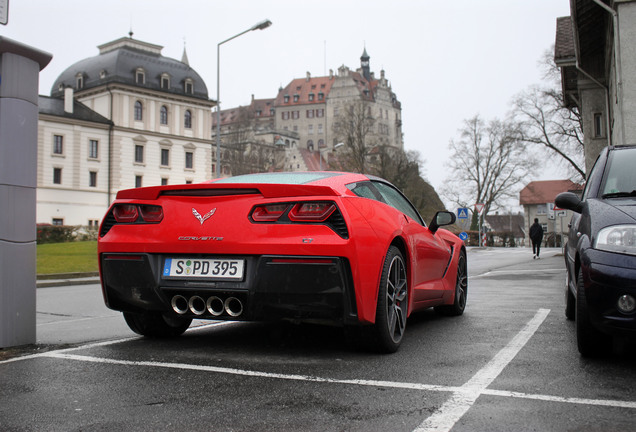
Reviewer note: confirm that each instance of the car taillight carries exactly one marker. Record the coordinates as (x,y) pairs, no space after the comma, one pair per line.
(125,213)
(151,213)
(268,213)
(311,211)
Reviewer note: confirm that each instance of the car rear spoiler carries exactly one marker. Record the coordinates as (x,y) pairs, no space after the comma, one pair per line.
(226,189)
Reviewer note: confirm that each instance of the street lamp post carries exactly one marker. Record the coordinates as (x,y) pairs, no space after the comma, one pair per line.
(258,26)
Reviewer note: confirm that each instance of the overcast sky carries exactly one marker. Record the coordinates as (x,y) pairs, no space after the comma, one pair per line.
(445,60)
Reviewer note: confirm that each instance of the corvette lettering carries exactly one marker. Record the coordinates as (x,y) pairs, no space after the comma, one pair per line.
(197,238)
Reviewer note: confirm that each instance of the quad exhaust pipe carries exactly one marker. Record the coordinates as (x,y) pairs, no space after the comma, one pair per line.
(214,305)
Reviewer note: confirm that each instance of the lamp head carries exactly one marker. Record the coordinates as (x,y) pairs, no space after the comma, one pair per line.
(262,25)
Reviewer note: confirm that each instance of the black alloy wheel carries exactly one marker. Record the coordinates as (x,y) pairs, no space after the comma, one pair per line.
(392,307)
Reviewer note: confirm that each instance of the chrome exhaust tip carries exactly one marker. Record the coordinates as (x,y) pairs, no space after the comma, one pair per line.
(196,305)
(233,306)
(179,304)
(215,306)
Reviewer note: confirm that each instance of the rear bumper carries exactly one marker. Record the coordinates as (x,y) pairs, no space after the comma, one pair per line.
(273,287)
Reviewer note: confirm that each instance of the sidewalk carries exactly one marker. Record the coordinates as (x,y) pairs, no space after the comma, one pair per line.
(66,279)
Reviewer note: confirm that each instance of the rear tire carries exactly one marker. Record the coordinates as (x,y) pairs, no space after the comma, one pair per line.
(156,324)
(591,342)
(392,307)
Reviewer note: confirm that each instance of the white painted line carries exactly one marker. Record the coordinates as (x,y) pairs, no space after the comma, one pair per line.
(460,402)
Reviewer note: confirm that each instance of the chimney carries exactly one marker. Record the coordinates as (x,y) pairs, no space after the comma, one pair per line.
(308,76)
(68,100)
(330,73)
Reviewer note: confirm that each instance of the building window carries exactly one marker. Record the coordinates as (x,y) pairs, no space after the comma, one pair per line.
(92,179)
(138,182)
(295,114)
(58,144)
(139,153)
(189,160)
(542,209)
(296,98)
(187,119)
(310,129)
(140,76)
(189,87)
(93,224)
(93,149)
(57,176)
(57,221)
(165,82)
(310,145)
(138,111)
(165,157)
(164,181)
(163,115)
(79,81)
(285,115)
(598,125)
(311,97)
(286,98)
(321,96)
(320,112)
(320,128)
(310,113)
(321,143)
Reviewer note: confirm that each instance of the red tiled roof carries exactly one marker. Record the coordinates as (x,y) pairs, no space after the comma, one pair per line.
(545,191)
(303,87)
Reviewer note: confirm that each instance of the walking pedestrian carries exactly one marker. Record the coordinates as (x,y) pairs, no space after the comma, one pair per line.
(536,236)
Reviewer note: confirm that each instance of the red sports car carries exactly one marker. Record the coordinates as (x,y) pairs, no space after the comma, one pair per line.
(330,247)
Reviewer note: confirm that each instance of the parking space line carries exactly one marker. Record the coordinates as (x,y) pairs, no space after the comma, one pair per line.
(460,402)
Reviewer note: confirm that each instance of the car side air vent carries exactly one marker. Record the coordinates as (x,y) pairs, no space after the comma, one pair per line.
(209,192)
(107,224)
(337,223)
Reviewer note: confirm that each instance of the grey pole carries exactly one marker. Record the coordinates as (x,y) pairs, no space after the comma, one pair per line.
(20,66)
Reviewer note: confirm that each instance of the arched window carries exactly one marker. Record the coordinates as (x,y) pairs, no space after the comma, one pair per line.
(310,145)
(163,115)
(187,119)
(138,111)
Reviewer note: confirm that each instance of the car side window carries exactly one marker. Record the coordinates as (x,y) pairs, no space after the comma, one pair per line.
(620,174)
(366,190)
(395,199)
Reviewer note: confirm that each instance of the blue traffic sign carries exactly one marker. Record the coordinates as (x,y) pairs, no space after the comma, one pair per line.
(462,213)
(463,236)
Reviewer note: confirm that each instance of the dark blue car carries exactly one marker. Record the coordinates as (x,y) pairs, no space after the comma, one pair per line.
(600,254)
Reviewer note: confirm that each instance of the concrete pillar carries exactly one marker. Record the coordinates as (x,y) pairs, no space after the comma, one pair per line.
(20,66)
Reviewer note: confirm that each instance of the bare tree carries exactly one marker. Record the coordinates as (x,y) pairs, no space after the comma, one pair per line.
(353,127)
(488,165)
(544,120)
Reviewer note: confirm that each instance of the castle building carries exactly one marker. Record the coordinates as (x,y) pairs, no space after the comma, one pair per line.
(304,113)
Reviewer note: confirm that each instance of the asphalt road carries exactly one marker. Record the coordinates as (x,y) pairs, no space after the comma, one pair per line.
(510,363)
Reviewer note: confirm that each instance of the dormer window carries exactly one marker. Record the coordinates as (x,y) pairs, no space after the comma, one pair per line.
(165,81)
(296,98)
(286,98)
(103,74)
(140,76)
(189,86)
(311,97)
(79,81)
(321,96)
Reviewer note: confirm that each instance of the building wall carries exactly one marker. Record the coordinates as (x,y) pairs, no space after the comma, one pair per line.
(73,201)
(627,18)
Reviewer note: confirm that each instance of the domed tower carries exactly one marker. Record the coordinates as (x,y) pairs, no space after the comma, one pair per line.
(132,63)
(364,63)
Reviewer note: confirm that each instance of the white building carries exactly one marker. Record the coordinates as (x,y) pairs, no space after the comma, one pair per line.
(125,118)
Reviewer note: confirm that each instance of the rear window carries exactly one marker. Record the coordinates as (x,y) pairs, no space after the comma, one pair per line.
(279,178)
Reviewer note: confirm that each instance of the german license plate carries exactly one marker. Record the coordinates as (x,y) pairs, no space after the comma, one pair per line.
(219,269)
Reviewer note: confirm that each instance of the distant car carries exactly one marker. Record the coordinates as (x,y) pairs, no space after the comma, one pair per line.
(326,247)
(600,255)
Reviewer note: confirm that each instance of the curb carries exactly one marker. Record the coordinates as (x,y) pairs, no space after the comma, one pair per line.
(66,279)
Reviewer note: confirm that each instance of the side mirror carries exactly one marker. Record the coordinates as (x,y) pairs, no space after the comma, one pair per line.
(440,219)
(570,201)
